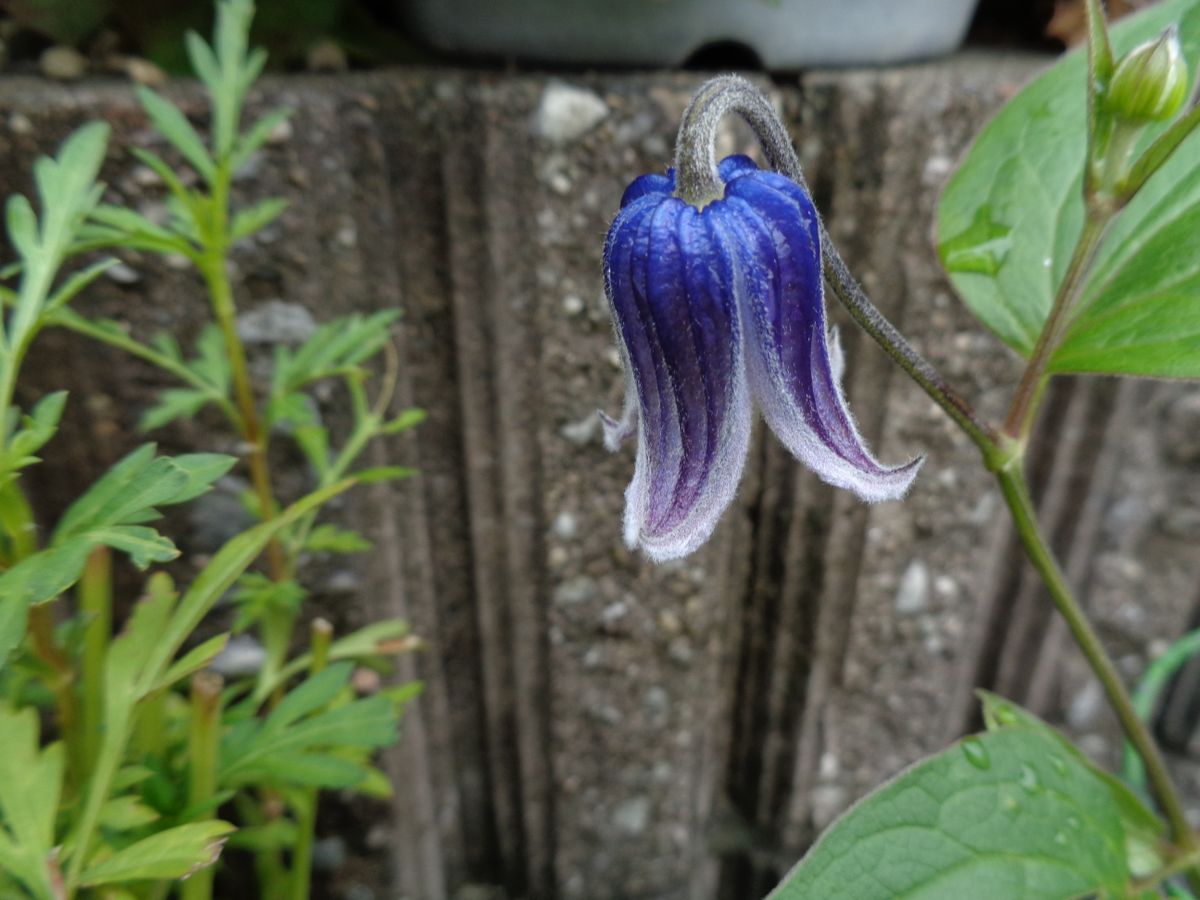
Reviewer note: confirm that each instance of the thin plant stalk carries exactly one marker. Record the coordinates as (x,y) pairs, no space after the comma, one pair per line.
(1020,504)
(46,648)
(204,737)
(321,637)
(95,605)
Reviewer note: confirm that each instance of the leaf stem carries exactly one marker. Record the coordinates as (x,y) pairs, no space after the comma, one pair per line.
(1020,504)
(1024,405)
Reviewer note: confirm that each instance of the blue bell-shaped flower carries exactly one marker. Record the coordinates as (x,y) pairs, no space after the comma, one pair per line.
(718,306)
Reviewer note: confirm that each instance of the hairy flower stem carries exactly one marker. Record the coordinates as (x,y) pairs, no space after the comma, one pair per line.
(1025,401)
(1020,504)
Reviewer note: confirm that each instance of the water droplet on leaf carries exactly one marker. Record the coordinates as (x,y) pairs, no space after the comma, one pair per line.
(1029,780)
(976,753)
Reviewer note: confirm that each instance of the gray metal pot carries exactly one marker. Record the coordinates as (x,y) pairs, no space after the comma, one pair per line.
(784,34)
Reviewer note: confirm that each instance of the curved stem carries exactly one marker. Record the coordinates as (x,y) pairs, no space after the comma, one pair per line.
(1020,504)
(698,182)
(1025,401)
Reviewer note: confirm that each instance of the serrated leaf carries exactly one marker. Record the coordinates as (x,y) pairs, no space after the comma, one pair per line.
(257,217)
(1011,214)
(30,786)
(142,545)
(308,697)
(305,769)
(1000,815)
(332,349)
(168,855)
(174,126)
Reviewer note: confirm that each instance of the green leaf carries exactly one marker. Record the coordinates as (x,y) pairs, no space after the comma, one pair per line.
(193,661)
(256,135)
(1004,814)
(407,419)
(30,786)
(256,596)
(1144,831)
(332,539)
(36,579)
(75,284)
(376,639)
(171,854)
(1010,215)
(333,349)
(35,432)
(257,217)
(174,126)
(384,473)
(172,404)
(292,745)
(126,813)
(142,545)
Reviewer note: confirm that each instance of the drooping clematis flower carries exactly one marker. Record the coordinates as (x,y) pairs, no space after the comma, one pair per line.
(719,306)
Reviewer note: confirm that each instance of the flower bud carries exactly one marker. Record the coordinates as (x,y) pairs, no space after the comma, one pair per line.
(1151,81)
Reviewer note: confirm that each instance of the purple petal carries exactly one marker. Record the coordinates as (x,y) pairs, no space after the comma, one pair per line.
(678,327)
(772,232)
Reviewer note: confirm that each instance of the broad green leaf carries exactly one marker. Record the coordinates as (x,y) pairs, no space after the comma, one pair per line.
(1010,215)
(30,785)
(1000,815)
(174,853)
(1144,831)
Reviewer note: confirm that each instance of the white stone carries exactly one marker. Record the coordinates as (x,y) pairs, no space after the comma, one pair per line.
(566,113)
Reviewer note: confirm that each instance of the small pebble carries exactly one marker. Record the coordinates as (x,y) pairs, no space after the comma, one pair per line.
(62,63)
(326,56)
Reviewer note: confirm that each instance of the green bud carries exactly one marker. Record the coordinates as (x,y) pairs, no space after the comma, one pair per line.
(1151,80)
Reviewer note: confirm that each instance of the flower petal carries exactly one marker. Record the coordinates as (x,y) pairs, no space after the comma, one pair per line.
(677,322)
(773,232)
